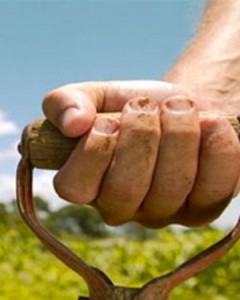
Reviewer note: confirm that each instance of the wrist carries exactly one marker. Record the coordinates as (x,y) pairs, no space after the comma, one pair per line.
(208,75)
(211,65)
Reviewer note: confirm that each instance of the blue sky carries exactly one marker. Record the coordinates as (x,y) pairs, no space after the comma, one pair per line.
(45,44)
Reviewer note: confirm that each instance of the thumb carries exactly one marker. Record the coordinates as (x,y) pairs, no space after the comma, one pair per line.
(71,110)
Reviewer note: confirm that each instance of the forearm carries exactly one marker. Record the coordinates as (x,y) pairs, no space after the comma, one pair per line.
(211,64)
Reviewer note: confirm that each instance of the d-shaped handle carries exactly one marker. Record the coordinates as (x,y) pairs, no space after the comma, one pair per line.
(43,146)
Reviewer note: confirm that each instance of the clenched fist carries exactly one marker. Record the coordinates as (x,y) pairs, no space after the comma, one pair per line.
(155,161)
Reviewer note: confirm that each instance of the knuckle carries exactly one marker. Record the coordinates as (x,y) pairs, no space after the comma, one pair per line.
(51,97)
(111,221)
(60,188)
(57,94)
(196,221)
(113,217)
(152,223)
(64,191)
(67,190)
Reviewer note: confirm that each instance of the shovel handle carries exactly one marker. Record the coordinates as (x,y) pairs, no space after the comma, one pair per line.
(49,149)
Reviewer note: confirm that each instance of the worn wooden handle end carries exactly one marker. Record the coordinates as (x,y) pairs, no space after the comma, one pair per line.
(45,145)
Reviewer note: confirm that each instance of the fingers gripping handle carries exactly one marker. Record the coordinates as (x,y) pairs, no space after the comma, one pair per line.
(48,148)
(43,146)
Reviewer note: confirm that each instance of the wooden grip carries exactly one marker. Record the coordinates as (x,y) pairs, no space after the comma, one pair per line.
(45,145)
(48,148)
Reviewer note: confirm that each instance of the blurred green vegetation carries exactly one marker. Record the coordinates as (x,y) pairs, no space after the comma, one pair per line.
(131,255)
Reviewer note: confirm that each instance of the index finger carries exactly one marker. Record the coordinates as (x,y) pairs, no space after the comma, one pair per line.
(72,108)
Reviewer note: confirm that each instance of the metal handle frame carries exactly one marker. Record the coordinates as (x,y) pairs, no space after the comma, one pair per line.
(100,286)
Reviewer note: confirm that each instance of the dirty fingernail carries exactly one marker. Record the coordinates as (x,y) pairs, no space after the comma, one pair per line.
(106,125)
(179,104)
(143,104)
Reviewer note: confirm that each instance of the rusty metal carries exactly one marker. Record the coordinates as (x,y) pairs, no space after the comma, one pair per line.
(100,286)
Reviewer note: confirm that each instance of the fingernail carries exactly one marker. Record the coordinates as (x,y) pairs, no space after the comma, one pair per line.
(106,125)
(143,104)
(179,104)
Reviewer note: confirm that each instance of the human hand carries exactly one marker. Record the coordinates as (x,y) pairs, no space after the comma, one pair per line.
(159,165)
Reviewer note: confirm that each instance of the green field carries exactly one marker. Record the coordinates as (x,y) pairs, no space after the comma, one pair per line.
(28,271)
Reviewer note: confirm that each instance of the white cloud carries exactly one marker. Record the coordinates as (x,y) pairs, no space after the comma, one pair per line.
(9,153)
(7,187)
(42,186)
(7,126)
